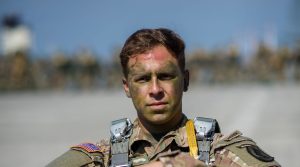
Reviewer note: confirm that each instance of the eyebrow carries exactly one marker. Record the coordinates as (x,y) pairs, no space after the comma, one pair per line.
(168,67)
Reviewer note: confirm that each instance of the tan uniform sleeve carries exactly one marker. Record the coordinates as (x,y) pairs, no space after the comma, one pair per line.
(71,158)
(78,157)
(236,150)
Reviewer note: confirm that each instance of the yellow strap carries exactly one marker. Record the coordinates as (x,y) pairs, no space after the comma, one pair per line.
(190,130)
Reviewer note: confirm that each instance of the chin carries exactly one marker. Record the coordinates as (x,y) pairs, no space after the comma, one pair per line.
(160,119)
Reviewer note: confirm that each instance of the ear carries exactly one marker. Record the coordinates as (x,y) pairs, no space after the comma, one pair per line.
(186,80)
(125,87)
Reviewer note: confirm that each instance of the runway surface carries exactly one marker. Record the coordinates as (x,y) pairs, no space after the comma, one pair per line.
(37,127)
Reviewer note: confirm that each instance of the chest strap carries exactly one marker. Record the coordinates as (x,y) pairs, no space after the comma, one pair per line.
(120,131)
(201,132)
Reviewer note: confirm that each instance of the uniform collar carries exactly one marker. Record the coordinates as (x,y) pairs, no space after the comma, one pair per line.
(140,139)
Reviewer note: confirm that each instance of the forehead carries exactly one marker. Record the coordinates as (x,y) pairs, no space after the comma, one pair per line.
(158,54)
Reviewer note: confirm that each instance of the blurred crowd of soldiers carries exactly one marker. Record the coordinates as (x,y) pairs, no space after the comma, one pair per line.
(85,70)
(266,65)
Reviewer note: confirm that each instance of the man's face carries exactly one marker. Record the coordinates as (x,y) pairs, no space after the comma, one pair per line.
(155,83)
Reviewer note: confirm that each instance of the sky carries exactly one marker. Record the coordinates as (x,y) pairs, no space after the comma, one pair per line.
(103,26)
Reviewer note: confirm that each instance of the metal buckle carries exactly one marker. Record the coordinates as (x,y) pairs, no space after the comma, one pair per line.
(204,128)
(120,129)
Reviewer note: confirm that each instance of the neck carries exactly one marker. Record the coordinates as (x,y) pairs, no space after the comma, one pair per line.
(162,129)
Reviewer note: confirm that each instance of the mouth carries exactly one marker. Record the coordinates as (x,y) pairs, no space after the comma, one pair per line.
(157,105)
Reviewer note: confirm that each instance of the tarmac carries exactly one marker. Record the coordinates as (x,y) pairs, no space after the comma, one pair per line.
(36,127)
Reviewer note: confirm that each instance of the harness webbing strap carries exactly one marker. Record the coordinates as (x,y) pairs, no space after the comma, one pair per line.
(121,131)
(119,153)
(205,129)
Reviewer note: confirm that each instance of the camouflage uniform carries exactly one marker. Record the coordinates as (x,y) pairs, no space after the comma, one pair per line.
(172,150)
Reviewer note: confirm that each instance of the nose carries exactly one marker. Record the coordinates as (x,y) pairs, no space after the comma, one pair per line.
(156,90)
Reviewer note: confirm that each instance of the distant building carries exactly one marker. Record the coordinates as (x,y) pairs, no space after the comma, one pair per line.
(15,36)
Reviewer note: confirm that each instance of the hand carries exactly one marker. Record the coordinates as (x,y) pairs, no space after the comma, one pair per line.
(154,164)
(181,160)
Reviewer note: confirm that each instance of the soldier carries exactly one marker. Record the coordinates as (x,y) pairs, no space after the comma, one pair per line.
(155,78)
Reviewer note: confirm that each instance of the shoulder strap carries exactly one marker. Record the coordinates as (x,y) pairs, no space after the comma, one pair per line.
(120,131)
(204,130)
